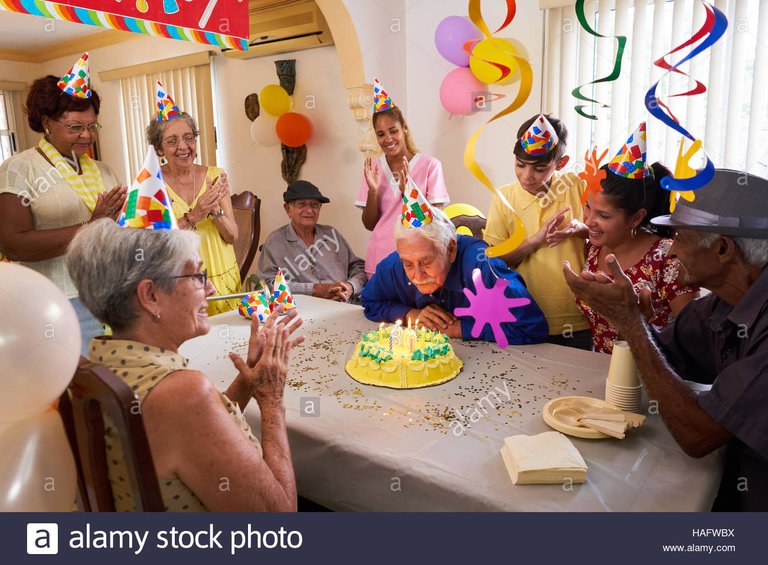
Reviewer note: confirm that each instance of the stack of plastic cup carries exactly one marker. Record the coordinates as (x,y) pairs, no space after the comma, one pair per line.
(623,388)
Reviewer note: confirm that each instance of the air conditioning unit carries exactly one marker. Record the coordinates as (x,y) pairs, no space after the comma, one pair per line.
(279,26)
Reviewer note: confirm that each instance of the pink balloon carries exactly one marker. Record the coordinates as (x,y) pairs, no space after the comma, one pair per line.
(450,36)
(460,91)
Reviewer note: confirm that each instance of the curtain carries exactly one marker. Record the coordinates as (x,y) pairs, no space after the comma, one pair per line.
(731,118)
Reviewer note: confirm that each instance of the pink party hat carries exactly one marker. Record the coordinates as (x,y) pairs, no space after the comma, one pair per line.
(381,100)
(629,162)
(539,139)
(281,294)
(166,107)
(416,210)
(255,304)
(148,204)
(77,82)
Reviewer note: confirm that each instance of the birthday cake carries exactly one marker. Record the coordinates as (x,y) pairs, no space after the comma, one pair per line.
(397,357)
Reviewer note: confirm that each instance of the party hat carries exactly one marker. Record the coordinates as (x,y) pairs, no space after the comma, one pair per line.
(77,82)
(416,210)
(539,139)
(281,294)
(381,100)
(255,304)
(629,162)
(166,107)
(147,204)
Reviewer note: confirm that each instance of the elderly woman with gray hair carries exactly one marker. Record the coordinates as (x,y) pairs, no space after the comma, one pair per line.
(201,202)
(424,280)
(151,290)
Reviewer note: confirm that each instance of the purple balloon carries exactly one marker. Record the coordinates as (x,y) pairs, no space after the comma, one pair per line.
(450,36)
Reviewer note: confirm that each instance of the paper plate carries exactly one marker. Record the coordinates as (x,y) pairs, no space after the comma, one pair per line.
(576,431)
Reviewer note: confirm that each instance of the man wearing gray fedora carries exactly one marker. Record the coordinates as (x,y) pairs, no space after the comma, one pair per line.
(721,241)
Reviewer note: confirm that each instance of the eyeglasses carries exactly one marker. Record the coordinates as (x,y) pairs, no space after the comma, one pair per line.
(189,139)
(202,278)
(80,128)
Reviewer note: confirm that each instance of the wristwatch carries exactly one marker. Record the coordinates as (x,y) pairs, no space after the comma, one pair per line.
(218,214)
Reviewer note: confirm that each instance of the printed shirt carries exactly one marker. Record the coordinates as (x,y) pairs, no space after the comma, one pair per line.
(655,269)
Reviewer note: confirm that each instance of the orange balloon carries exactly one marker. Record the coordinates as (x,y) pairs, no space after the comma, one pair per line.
(293,129)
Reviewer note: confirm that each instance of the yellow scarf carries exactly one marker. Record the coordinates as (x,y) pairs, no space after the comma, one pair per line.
(88,186)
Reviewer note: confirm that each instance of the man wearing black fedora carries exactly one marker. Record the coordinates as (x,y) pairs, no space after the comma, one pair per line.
(721,241)
(315,258)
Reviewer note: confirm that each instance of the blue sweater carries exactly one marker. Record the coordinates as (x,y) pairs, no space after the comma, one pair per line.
(389,295)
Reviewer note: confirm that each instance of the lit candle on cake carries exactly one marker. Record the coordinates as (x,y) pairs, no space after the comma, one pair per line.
(396,334)
(410,337)
(382,333)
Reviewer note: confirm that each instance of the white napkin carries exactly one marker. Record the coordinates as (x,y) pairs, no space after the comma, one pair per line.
(546,458)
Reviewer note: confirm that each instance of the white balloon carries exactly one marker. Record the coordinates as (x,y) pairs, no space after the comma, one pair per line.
(39,342)
(37,468)
(263,130)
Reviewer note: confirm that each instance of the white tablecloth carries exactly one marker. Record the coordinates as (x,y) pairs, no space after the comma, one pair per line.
(360,447)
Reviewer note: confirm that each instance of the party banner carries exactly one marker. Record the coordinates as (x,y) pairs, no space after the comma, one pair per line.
(216,22)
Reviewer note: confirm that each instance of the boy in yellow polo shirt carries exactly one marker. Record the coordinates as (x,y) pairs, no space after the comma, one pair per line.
(549,205)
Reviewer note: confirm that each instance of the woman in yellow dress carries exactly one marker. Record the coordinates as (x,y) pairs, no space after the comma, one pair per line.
(201,201)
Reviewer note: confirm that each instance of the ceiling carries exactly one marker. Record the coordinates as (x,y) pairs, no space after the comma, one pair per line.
(27,32)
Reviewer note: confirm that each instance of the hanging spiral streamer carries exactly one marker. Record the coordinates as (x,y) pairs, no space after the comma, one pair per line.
(713,29)
(614,74)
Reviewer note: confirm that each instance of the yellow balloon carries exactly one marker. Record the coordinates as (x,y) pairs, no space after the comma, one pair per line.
(492,51)
(461,209)
(274,100)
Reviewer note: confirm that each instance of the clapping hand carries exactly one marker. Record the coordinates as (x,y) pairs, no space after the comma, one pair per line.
(574,228)
(209,200)
(612,295)
(549,228)
(266,367)
(109,204)
(372,173)
(402,176)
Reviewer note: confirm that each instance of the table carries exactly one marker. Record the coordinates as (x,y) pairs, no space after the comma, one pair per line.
(360,447)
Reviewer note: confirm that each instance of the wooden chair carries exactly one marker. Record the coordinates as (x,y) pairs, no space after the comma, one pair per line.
(246,207)
(95,390)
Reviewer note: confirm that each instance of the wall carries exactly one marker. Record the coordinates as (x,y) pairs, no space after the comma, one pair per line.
(21,72)
(333,161)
